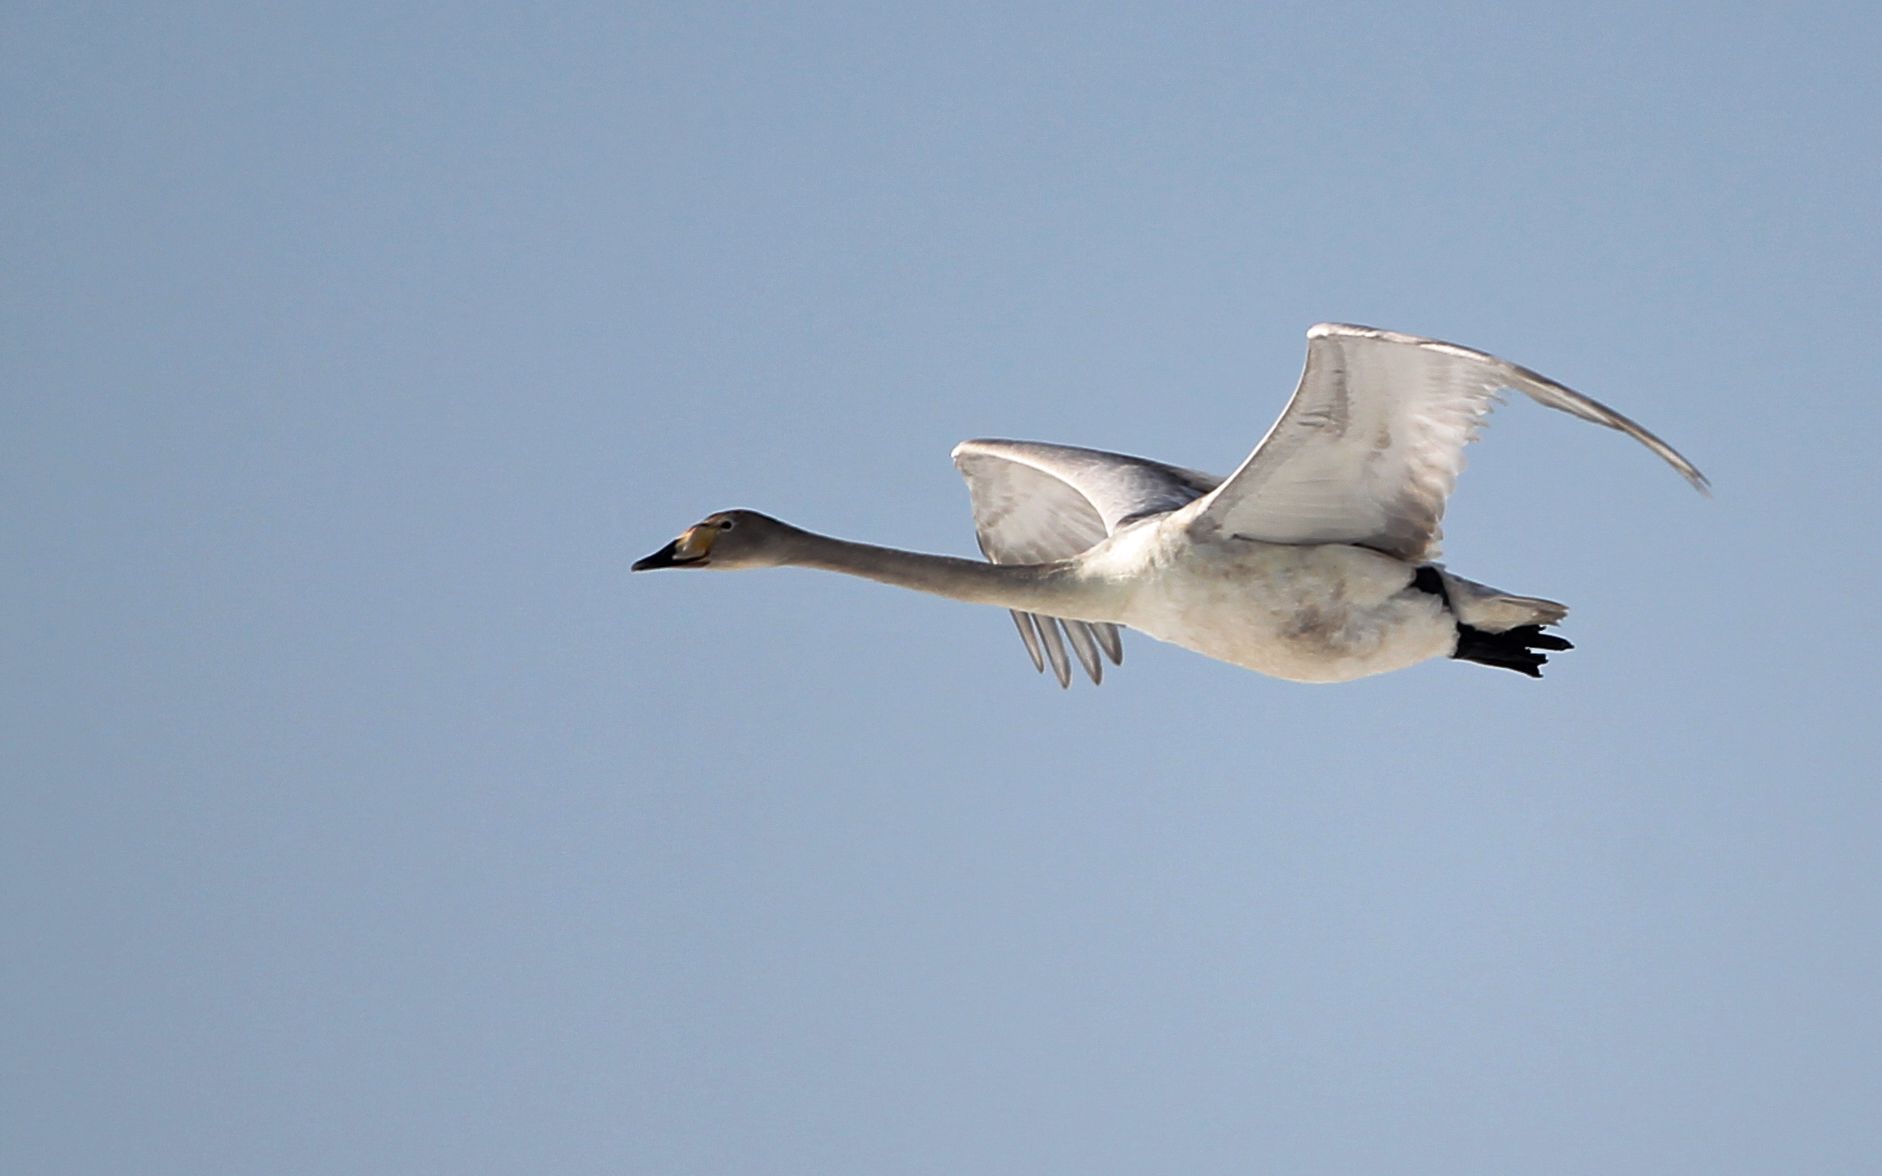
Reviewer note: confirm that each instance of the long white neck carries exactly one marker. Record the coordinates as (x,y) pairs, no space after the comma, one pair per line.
(1050,589)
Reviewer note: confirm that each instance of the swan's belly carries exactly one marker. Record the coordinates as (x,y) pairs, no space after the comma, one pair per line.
(1307,614)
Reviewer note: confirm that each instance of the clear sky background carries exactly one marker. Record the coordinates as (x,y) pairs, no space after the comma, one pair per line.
(362,815)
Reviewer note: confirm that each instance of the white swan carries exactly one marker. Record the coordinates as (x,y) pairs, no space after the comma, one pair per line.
(1311,562)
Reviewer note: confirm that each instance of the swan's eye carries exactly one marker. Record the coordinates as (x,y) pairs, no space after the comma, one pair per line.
(725,524)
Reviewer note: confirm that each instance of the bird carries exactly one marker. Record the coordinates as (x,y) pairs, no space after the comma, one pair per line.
(1315,561)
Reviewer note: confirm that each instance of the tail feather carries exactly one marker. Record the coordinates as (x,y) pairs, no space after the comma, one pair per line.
(1496,628)
(1486,608)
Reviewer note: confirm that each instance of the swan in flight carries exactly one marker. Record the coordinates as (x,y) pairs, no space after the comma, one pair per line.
(1312,562)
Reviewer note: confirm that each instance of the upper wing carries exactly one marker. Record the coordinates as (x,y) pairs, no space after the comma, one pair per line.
(1036,503)
(1370,446)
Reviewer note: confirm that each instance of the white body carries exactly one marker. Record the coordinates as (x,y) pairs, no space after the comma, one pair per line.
(1323,613)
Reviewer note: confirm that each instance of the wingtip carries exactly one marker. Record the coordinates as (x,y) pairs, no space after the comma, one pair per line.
(1694,476)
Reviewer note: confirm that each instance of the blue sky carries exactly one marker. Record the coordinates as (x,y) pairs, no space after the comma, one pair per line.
(362,815)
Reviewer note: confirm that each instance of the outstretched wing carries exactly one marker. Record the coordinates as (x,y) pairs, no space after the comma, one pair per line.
(1370,446)
(1036,503)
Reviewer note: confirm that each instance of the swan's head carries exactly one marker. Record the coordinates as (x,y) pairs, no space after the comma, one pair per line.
(726,541)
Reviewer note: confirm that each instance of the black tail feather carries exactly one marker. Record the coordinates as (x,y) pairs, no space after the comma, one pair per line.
(1512,649)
